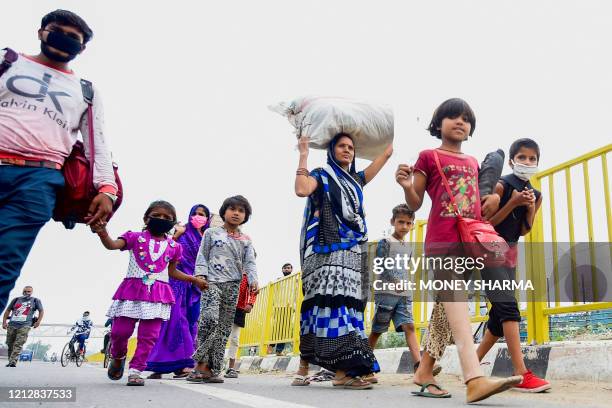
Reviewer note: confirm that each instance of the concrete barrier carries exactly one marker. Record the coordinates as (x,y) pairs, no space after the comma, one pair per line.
(580,361)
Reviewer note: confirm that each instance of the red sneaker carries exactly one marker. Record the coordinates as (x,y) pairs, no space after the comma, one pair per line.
(532,383)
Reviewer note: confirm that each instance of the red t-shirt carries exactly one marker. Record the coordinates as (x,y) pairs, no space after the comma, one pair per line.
(461,171)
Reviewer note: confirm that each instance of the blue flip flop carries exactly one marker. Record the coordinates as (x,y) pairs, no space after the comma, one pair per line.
(427,394)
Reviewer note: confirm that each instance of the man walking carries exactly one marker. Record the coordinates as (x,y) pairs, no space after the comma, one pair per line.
(42,109)
(20,317)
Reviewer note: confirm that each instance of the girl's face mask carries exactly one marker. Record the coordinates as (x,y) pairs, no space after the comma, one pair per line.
(198,221)
(159,226)
(523,171)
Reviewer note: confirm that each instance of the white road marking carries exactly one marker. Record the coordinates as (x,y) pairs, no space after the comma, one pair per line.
(237,397)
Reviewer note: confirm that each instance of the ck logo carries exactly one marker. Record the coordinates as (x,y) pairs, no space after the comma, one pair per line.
(43,92)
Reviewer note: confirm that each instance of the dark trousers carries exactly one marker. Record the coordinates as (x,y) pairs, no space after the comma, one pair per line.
(503,303)
(78,338)
(27,199)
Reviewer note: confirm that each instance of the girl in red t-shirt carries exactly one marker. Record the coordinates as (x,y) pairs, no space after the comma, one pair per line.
(453,122)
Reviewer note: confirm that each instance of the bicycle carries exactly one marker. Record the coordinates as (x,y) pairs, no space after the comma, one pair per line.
(68,354)
(107,354)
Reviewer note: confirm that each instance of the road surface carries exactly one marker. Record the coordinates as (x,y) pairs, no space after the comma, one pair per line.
(93,389)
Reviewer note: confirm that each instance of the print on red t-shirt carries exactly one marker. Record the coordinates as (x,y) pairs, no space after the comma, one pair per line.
(461,172)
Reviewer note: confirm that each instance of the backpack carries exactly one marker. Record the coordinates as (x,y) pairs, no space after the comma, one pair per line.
(72,202)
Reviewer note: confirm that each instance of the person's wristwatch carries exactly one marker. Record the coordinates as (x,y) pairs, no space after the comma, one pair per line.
(111,196)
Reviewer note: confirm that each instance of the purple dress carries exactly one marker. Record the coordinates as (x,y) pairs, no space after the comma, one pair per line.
(145,292)
(176,342)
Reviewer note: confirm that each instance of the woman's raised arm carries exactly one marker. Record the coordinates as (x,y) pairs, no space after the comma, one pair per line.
(305,184)
(372,170)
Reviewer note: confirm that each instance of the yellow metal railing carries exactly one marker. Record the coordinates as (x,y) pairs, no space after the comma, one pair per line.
(276,317)
(538,310)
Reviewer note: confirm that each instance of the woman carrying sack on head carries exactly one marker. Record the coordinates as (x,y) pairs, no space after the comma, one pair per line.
(333,258)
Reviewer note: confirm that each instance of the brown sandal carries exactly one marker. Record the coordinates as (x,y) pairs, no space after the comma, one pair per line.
(371,378)
(480,388)
(353,383)
(197,376)
(213,379)
(181,373)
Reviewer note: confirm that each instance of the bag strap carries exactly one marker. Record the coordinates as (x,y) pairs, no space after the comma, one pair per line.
(445,182)
(9,57)
(88,94)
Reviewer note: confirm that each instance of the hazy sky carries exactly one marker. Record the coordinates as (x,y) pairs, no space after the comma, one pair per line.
(186,87)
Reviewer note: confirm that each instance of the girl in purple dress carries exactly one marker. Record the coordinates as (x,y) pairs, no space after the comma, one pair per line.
(145,296)
(175,345)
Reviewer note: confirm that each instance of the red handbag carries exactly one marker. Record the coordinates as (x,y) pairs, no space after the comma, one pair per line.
(74,199)
(479,237)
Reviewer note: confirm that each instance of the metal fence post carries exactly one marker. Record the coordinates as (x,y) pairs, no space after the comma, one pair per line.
(537,323)
(417,304)
(297,318)
(263,345)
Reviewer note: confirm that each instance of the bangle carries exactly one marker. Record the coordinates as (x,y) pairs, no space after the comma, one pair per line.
(302,172)
(113,197)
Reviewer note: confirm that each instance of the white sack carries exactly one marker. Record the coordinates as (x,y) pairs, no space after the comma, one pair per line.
(321,118)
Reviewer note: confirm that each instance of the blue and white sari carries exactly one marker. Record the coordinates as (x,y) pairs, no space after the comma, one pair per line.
(333,257)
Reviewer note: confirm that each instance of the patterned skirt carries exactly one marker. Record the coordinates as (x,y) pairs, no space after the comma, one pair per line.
(332,332)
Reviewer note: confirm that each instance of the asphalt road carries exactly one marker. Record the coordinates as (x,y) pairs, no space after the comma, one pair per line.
(93,389)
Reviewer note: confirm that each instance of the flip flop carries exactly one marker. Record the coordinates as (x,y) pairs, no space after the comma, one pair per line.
(115,372)
(196,376)
(427,394)
(300,381)
(214,379)
(371,378)
(181,375)
(350,384)
(135,380)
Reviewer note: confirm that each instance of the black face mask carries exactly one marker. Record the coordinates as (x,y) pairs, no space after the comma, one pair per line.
(63,43)
(286,273)
(159,226)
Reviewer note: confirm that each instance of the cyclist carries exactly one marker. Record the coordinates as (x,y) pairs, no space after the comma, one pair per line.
(82,329)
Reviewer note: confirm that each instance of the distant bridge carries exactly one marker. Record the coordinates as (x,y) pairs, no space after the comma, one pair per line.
(59,330)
